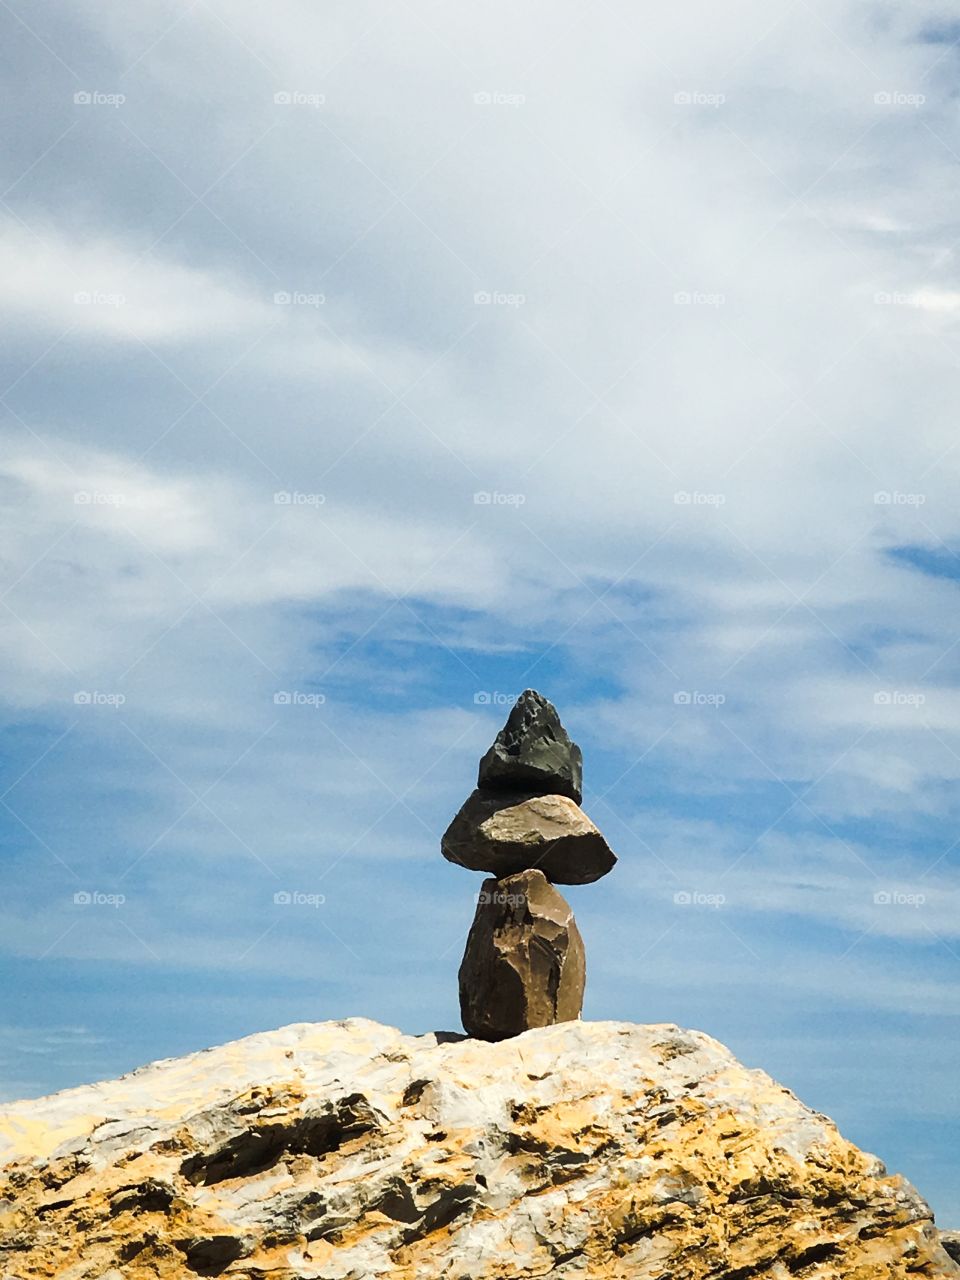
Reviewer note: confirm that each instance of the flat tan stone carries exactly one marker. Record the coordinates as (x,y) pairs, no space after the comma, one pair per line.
(504,834)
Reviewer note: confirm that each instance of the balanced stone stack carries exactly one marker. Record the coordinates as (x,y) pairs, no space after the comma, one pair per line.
(524,963)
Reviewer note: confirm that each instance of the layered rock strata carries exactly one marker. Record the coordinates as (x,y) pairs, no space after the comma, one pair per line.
(348,1151)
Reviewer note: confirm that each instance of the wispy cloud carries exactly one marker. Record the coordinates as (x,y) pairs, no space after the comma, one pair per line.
(569,349)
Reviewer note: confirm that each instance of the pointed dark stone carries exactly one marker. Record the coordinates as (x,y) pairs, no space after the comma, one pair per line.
(533,752)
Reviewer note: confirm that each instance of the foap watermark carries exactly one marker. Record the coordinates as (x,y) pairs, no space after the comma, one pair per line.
(98,298)
(94,498)
(494,498)
(299,98)
(894,299)
(97,98)
(894,498)
(697,698)
(491,698)
(294,298)
(697,298)
(697,498)
(694,898)
(94,898)
(298,898)
(96,698)
(898,698)
(498,98)
(898,898)
(297,698)
(500,898)
(498,298)
(898,98)
(698,98)
(294,498)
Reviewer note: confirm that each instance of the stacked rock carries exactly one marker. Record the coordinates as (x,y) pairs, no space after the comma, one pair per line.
(524,964)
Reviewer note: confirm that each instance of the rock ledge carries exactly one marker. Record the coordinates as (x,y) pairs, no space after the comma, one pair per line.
(347,1151)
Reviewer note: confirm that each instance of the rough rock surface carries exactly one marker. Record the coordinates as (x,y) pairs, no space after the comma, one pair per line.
(951,1242)
(348,1151)
(533,752)
(524,964)
(504,834)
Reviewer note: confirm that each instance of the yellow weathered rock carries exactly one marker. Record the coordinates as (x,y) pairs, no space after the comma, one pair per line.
(348,1151)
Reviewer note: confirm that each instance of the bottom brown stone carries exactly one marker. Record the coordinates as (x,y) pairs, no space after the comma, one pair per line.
(524,964)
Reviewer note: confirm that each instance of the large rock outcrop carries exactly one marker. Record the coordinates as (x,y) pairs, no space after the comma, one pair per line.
(348,1151)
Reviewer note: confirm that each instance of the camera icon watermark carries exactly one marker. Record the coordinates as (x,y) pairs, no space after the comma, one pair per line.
(894,498)
(500,898)
(697,498)
(698,98)
(898,698)
(295,698)
(898,898)
(694,898)
(491,698)
(298,898)
(696,298)
(494,498)
(295,298)
(96,98)
(497,98)
(697,698)
(298,98)
(98,298)
(898,98)
(498,298)
(94,498)
(96,698)
(884,298)
(86,898)
(294,498)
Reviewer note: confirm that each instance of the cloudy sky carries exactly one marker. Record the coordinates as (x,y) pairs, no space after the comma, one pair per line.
(365,364)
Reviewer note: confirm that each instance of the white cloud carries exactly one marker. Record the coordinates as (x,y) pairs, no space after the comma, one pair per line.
(162,554)
(781,397)
(101,288)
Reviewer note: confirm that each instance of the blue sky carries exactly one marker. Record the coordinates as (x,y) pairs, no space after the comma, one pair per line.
(365,365)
